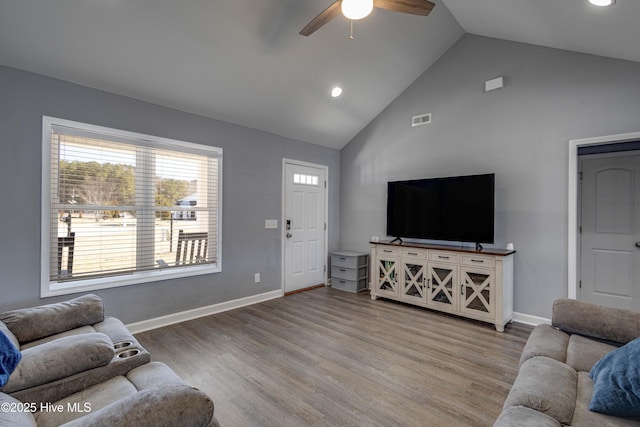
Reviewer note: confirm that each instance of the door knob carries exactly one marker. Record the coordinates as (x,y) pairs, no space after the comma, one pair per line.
(637,244)
(289,235)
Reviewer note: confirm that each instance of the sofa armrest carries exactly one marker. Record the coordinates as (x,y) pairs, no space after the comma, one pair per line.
(30,324)
(60,358)
(162,406)
(613,325)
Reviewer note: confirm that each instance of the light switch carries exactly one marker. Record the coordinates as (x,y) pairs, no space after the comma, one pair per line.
(270,223)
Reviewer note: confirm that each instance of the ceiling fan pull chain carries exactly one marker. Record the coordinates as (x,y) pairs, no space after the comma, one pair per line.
(351,35)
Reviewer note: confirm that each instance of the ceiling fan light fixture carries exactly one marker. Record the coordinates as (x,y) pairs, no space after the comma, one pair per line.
(356,9)
(336,91)
(602,2)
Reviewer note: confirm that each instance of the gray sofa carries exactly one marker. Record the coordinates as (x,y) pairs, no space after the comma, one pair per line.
(67,347)
(149,395)
(79,367)
(553,387)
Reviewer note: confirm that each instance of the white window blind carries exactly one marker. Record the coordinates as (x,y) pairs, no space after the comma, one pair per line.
(124,205)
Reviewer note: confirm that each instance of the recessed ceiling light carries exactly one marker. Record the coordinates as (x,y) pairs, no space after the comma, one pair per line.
(336,91)
(602,2)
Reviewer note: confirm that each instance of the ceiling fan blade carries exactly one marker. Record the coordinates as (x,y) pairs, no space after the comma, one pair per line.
(413,7)
(325,16)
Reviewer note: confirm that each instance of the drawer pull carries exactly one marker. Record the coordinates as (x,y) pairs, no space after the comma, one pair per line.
(342,269)
(481,261)
(412,253)
(443,257)
(342,258)
(387,251)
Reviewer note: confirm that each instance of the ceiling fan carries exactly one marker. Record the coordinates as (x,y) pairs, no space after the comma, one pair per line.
(358,9)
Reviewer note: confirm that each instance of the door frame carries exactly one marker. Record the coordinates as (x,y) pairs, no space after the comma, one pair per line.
(574,200)
(285,162)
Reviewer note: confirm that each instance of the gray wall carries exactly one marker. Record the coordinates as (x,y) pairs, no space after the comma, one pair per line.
(520,133)
(252,168)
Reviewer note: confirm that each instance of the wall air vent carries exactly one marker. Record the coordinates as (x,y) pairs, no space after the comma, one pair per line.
(421,120)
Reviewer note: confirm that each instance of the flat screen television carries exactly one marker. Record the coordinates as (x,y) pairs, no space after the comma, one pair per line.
(459,208)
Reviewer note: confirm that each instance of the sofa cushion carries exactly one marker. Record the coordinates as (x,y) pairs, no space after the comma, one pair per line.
(95,397)
(75,331)
(545,340)
(122,402)
(604,323)
(168,406)
(582,416)
(520,416)
(110,326)
(616,379)
(30,324)
(545,385)
(153,375)
(15,413)
(60,359)
(583,352)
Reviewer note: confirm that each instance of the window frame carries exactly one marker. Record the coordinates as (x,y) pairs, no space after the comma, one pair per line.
(50,288)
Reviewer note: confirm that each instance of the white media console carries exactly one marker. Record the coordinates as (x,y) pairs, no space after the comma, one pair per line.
(465,282)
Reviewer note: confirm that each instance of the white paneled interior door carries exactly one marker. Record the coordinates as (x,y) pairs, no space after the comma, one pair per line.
(610,236)
(304,226)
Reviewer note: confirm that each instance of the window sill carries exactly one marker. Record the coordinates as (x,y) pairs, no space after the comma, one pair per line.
(51,289)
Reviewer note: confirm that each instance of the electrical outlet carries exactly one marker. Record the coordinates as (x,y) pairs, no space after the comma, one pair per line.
(256,277)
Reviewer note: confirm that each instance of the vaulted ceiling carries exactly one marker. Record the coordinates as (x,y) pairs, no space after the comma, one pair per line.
(243,61)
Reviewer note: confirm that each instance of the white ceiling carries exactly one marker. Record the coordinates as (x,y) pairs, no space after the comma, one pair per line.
(243,61)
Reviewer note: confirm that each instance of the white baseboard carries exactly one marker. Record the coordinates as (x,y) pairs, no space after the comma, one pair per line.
(183,316)
(527,319)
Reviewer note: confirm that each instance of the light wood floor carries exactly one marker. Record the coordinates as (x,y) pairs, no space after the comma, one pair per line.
(332,358)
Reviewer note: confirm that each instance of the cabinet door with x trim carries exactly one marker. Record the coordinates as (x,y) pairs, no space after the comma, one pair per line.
(478,291)
(442,286)
(386,277)
(413,281)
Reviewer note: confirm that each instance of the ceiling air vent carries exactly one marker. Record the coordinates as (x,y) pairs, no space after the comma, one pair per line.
(421,120)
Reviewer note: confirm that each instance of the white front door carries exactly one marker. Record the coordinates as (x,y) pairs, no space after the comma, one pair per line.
(304,226)
(610,237)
